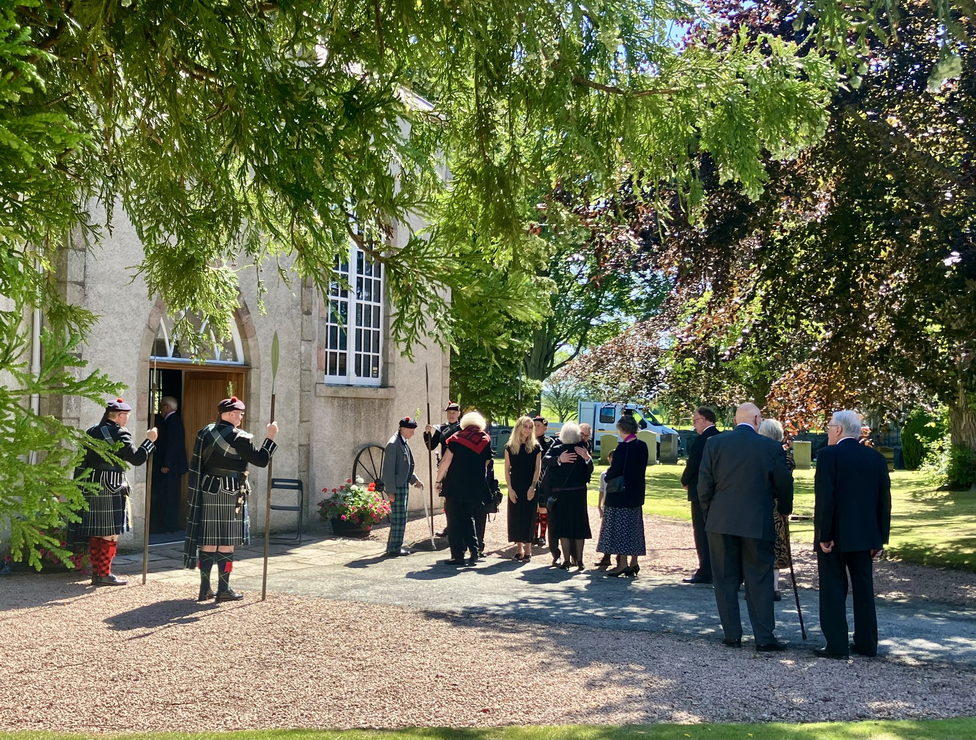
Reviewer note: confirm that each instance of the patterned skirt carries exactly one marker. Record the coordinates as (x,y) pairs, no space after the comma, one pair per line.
(622,532)
(782,540)
(108,508)
(223,515)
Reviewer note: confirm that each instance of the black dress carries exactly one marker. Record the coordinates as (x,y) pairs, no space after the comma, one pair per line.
(521,515)
(568,518)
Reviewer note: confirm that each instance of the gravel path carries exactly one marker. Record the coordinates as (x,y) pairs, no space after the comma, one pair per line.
(146,659)
(671,552)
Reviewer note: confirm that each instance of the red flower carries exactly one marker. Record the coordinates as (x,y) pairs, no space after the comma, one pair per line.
(348,480)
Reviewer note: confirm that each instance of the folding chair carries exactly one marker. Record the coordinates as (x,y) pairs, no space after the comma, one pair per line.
(290,484)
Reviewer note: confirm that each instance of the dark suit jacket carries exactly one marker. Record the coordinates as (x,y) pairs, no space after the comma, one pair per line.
(740,475)
(173,452)
(853,497)
(690,476)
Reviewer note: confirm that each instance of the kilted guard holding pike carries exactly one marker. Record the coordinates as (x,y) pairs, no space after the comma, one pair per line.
(217,496)
(106,517)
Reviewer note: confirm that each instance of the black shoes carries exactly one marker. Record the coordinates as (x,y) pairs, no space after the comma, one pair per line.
(229,595)
(453,561)
(471,561)
(771,647)
(732,643)
(777,596)
(441,534)
(696,579)
(605,563)
(865,653)
(205,595)
(110,580)
(824,653)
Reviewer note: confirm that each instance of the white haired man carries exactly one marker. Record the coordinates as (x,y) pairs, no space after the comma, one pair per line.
(852,520)
(741,474)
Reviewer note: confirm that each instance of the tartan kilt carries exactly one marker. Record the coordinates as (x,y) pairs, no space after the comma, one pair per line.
(223,516)
(108,508)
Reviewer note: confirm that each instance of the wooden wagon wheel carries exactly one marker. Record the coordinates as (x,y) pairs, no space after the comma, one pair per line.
(368,465)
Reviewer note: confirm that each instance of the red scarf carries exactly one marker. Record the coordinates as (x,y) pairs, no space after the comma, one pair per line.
(473,438)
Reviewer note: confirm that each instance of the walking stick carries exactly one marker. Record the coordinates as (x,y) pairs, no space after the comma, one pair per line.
(430,464)
(149,475)
(267,503)
(796,592)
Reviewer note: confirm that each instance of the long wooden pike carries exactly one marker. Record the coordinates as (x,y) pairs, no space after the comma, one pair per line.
(267,503)
(796,591)
(149,476)
(430,464)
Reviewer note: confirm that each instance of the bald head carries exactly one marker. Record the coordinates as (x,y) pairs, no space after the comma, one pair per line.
(748,413)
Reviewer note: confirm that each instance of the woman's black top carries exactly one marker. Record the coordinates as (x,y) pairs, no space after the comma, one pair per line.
(523,469)
(466,478)
(567,475)
(630,461)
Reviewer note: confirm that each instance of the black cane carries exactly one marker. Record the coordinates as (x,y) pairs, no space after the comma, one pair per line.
(796,591)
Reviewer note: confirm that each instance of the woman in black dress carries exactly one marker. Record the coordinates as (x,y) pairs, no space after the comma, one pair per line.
(523,463)
(461,480)
(622,533)
(570,466)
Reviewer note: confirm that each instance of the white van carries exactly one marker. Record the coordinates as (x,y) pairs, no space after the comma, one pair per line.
(603,418)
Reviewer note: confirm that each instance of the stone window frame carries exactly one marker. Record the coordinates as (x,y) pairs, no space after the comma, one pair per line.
(354,325)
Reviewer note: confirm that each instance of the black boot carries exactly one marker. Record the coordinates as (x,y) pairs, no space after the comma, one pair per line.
(225,564)
(206,566)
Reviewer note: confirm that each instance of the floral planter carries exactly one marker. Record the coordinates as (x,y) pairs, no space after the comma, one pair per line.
(346,528)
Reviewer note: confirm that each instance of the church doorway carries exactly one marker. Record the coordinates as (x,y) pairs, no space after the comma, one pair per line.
(197,385)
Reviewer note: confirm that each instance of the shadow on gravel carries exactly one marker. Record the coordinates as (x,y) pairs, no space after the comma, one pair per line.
(161,615)
(366,562)
(20,591)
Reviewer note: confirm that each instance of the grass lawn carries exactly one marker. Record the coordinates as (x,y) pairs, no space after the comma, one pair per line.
(907,729)
(927,526)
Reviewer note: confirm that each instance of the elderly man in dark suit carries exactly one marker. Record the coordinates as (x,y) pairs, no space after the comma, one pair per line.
(741,474)
(852,520)
(172,465)
(704,422)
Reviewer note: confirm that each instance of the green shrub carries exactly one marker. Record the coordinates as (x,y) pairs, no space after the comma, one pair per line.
(917,435)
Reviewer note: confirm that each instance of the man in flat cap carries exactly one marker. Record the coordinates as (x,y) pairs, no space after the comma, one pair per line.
(106,517)
(217,496)
(397,476)
(435,438)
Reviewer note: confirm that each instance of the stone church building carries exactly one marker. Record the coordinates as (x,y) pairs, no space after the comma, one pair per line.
(340,385)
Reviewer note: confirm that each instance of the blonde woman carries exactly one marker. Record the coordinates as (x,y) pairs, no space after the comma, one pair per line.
(523,464)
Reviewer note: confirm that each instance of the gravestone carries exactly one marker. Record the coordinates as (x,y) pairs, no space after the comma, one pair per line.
(650,439)
(669,449)
(801,454)
(608,443)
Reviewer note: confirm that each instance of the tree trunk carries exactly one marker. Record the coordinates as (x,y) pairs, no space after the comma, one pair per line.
(962,421)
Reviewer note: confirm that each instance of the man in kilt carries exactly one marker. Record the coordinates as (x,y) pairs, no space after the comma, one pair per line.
(106,517)
(398,475)
(436,438)
(217,496)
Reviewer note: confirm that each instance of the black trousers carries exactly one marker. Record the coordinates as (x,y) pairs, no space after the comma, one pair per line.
(743,559)
(553,539)
(462,533)
(701,541)
(833,568)
(165,512)
(480,522)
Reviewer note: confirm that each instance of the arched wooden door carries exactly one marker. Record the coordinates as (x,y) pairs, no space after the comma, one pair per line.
(202,390)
